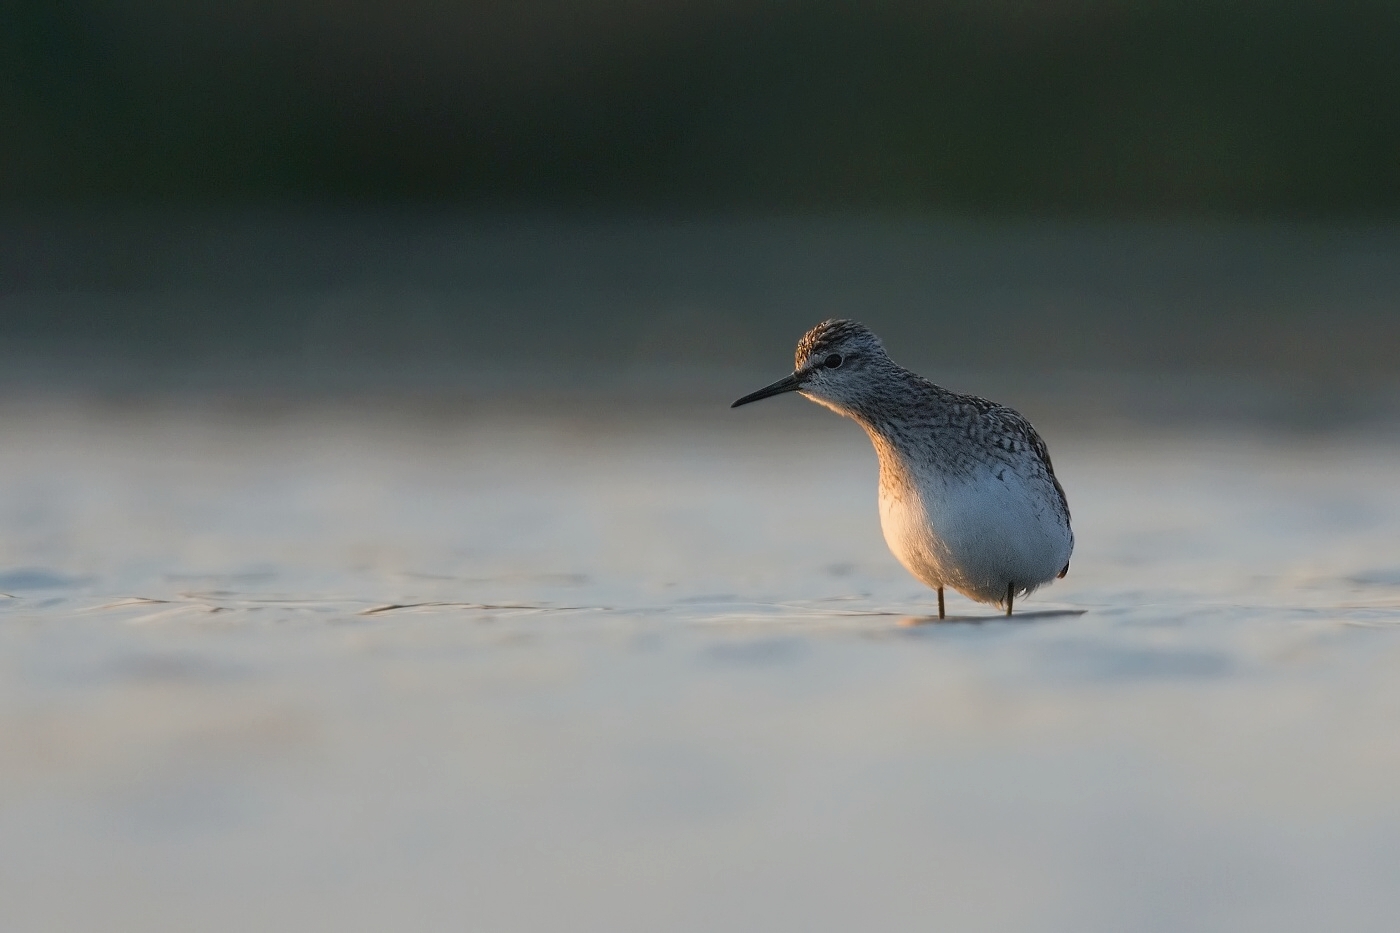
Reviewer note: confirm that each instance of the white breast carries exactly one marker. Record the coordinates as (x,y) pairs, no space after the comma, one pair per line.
(979,533)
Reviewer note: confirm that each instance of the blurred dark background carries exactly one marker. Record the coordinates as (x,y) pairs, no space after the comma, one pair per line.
(1273,107)
(308,191)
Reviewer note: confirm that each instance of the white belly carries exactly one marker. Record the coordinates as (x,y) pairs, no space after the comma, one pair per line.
(980,534)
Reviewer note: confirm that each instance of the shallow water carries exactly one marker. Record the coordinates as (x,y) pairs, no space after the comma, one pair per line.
(328,667)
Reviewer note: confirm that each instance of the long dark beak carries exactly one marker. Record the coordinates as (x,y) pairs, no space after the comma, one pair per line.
(786,384)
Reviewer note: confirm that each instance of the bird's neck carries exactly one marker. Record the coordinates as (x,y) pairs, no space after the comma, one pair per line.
(902,412)
(891,403)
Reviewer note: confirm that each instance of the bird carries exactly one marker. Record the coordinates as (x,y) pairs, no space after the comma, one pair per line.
(968,496)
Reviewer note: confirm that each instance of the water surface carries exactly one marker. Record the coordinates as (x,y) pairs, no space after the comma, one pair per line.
(591,668)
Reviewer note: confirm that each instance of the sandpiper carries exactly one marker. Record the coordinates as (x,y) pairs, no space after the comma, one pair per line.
(968,498)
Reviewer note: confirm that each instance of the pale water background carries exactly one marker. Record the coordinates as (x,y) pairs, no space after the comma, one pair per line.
(612,657)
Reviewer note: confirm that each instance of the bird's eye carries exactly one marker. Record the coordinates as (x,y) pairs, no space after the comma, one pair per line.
(833,361)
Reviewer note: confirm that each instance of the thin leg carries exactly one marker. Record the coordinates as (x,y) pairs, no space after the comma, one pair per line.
(1010,596)
(940,602)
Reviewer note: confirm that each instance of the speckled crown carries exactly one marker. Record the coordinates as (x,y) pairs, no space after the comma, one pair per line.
(833,335)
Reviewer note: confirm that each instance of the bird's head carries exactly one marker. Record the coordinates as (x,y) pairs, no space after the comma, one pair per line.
(833,366)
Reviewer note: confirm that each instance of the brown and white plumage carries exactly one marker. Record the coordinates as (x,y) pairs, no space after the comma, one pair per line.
(968,495)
